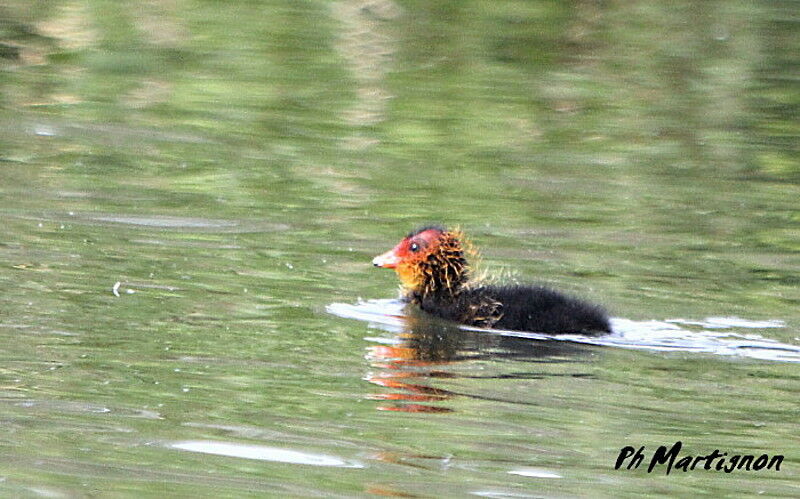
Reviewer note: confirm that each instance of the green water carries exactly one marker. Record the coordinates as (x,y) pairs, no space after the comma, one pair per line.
(230,169)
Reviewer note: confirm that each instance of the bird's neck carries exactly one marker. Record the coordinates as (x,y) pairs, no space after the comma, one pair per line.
(444,275)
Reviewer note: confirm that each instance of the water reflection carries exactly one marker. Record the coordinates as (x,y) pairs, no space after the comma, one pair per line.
(427,349)
(367,44)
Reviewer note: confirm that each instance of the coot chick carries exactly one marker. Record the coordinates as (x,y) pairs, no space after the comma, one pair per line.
(435,275)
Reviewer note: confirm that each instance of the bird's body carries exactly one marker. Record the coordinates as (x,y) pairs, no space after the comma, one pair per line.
(433,269)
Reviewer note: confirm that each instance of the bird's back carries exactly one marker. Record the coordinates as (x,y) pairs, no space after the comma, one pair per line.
(544,310)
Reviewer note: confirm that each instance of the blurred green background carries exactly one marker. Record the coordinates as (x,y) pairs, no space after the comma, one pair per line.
(234,166)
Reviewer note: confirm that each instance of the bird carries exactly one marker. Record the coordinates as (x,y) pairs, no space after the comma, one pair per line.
(435,275)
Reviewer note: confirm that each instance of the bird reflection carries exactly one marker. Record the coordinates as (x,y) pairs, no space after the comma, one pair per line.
(429,348)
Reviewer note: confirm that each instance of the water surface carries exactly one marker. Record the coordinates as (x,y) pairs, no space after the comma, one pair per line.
(186,187)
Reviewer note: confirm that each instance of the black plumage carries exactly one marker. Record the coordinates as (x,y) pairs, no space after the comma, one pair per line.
(519,307)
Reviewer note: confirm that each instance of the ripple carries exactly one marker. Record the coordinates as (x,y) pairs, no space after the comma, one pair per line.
(534,473)
(729,322)
(67,406)
(263,453)
(163,222)
(656,335)
(168,222)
